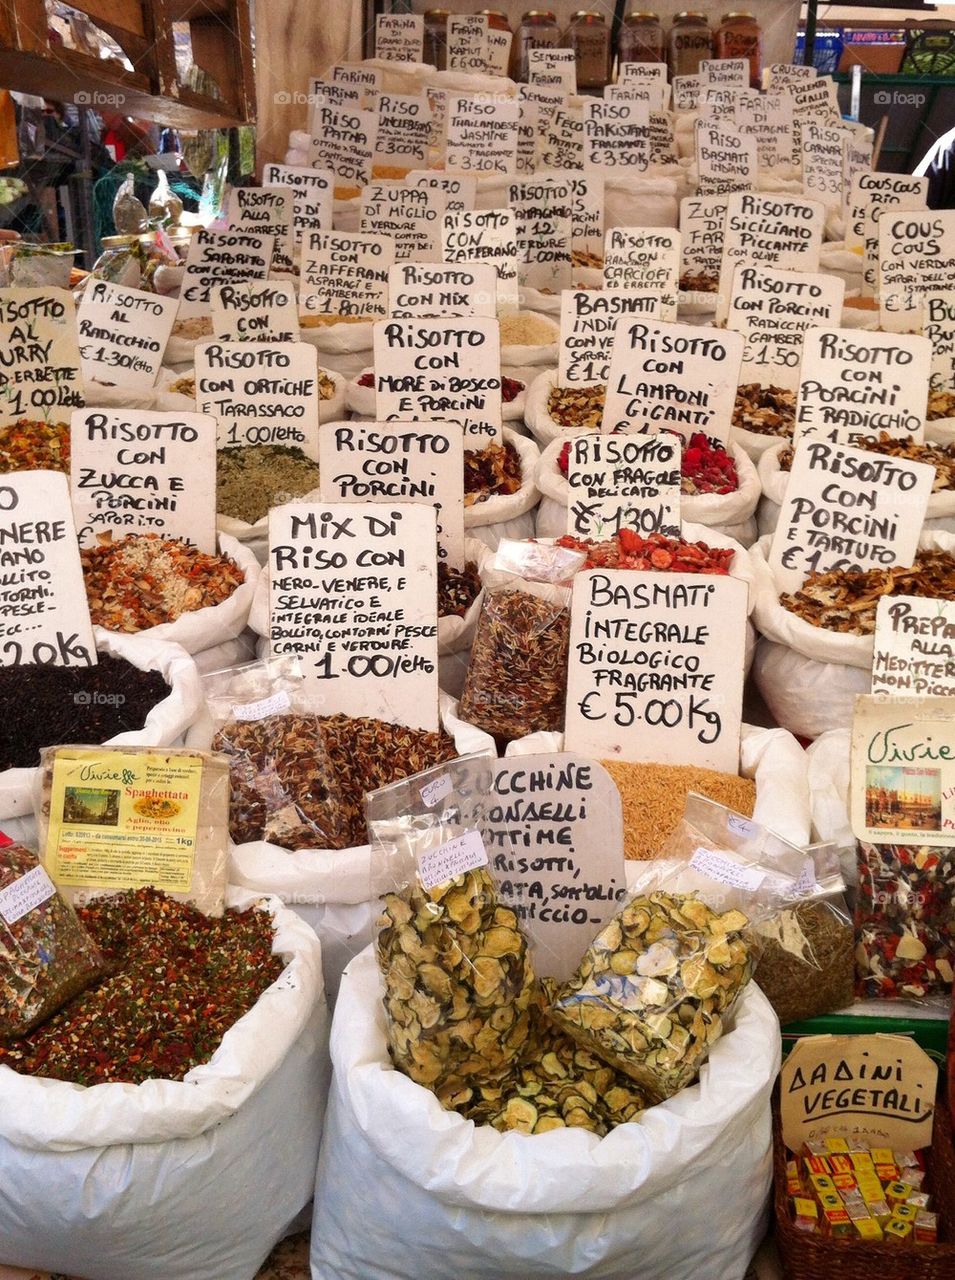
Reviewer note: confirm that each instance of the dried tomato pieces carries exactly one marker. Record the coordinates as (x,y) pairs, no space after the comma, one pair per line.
(630,550)
(35,446)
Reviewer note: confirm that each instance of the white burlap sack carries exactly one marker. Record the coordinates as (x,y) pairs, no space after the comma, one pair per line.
(754,444)
(406,1189)
(537,417)
(729,513)
(331,889)
(165,724)
(837,260)
(828,760)
(229,1152)
(940,514)
(771,757)
(696,307)
(104,395)
(181,350)
(809,677)
(203,628)
(858,317)
(360,401)
(509,515)
(643,201)
(342,348)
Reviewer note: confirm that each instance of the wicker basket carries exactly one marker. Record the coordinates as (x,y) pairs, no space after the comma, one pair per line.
(812,1257)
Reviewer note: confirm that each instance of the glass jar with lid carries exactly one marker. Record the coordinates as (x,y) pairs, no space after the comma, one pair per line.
(689,44)
(589,37)
(538,30)
(739,36)
(501,55)
(436,38)
(641,38)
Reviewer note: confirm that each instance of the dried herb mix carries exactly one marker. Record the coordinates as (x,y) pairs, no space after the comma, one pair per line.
(42,706)
(176,981)
(253,478)
(46,956)
(806,964)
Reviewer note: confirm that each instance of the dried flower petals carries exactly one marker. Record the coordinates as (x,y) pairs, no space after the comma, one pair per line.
(706,466)
(143,580)
(177,981)
(767,411)
(494,470)
(846,602)
(630,550)
(28,445)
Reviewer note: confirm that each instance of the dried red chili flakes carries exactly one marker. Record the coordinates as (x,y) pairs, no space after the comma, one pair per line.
(28,445)
(904,941)
(176,982)
(706,466)
(846,601)
(511,388)
(143,580)
(457,589)
(769,411)
(494,470)
(630,550)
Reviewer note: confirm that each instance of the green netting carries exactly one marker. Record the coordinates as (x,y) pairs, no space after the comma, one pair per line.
(145,179)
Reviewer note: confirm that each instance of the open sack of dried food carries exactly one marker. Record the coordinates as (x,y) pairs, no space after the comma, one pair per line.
(205,1041)
(816,644)
(297,783)
(719,488)
(565,1169)
(360,394)
(141,692)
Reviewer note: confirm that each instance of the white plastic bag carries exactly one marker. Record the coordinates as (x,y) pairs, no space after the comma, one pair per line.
(508,515)
(165,724)
(730,513)
(808,676)
(406,1189)
(228,1153)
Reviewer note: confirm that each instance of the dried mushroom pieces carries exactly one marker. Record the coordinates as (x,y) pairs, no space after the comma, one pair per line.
(586,258)
(144,580)
(516,681)
(631,550)
(193,327)
(491,471)
(556,1084)
(28,445)
(458,985)
(577,406)
(175,982)
(768,411)
(457,589)
(654,798)
(185,386)
(699,282)
(46,956)
(905,943)
(650,994)
(939,456)
(299,781)
(806,961)
(251,479)
(846,601)
(941,404)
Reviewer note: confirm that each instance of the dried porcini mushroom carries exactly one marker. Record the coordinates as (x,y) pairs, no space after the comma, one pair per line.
(767,411)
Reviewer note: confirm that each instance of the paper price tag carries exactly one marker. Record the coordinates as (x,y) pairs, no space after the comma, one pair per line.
(715,866)
(436,790)
(273,706)
(25,894)
(455,858)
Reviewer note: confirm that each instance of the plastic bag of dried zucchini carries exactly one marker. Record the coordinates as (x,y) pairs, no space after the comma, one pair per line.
(653,990)
(458,979)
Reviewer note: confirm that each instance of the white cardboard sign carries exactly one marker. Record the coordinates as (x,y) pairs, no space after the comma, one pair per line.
(855,384)
(44,616)
(459,188)
(404,130)
(441,370)
(482,133)
(345,273)
(914,650)
(656,667)
(672,377)
(543,209)
(40,361)
(221,257)
(725,159)
(260,392)
(624,482)
(846,508)
(780,75)
(725,71)
(871,194)
(768,118)
(413,217)
(486,235)
(644,258)
(647,75)
(266,211)
(344,141)
(123,333)
(916,256)
(773,311)
(824,163)
(939,328)
(399,37)
(553,829)
(553,68)
(702,220)
(562,144)
(417,290)
(356,75)
(686,92)
(769,230)
(587,206)
(313,192)
(547,101)
(467,43)
(616,136)
(588,327)
(528,133)
(322,93)
(353,592)
(399,462)
(254,311)
(144,471)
